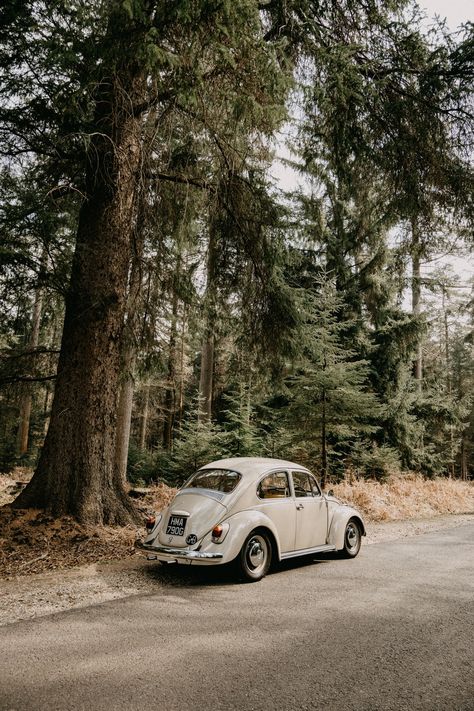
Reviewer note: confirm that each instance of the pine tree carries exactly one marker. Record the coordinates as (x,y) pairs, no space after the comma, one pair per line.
(241,433)
(144,55)
(330,404)
(199,442)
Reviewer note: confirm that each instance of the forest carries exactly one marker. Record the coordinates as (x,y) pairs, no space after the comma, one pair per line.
(165,301)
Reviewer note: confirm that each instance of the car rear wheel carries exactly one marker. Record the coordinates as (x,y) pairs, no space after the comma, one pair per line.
(352,539)
(255,557)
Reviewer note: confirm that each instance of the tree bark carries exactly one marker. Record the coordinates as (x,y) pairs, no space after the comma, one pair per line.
(75,473)
(324,456)
(416,296)
(181,368)
(124,420)
(451,465)
(24,427)
(130,332)
(206,379)
(129,353)
(144,418)
(463,463)
(26,398)
(46,406)
(170,392)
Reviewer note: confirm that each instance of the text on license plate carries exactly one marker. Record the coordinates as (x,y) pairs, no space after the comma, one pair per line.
(176,526)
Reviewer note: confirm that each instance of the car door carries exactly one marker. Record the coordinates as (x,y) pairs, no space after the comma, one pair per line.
(311,511)
(276,502)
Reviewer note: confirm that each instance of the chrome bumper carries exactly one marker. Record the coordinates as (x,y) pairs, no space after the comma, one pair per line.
(176,553)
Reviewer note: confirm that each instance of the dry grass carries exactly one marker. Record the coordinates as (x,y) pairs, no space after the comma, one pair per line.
(32,542)
(407,496)
(401,497)
(11,484)
(158,497)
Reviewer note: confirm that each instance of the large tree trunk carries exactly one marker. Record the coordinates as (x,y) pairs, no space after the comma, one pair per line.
(129,347)
(75,473)
(51,337)
(131,329)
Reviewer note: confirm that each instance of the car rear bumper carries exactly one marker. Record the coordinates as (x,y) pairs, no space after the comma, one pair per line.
(177,554)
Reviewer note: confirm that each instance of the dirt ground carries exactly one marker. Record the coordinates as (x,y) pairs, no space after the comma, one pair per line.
(32,542)
(48,565)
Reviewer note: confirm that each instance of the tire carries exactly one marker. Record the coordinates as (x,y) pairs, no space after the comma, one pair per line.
(352,539)
(255,557)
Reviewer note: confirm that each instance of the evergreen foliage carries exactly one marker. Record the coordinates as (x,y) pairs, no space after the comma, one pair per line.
(199,442)
(148,258)
(330,404)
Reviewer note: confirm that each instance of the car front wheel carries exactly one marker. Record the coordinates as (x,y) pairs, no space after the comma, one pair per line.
(352,539)
(255,557)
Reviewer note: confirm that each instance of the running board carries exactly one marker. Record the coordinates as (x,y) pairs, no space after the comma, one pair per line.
(308,551)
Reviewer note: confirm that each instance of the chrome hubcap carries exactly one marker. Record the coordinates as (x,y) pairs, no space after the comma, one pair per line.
(352,536)
(256,553)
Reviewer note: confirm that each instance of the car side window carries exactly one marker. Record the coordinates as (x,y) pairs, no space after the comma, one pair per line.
(274,486)
(304,484)
(314,486)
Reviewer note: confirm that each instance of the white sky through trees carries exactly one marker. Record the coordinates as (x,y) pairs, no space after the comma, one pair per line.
(456,13)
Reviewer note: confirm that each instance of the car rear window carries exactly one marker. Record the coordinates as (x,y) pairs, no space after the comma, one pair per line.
(223,480)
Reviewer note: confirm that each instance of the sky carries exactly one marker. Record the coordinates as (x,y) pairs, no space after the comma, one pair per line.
(455,11)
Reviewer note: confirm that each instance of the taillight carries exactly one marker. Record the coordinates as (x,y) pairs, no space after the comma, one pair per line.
(217,531)
(150,522)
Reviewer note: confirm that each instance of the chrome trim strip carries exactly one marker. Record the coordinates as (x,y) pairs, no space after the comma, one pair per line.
(177,552)
(327,548)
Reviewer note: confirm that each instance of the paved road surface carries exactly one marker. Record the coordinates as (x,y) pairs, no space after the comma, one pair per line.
(392,629)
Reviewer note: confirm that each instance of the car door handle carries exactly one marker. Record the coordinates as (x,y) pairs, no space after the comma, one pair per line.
(299,506)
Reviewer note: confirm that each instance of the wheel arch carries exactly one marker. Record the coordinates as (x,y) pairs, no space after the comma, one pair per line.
(338,525)
(242,524)
(273,542)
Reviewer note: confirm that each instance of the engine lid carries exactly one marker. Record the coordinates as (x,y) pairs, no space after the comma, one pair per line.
(189,518)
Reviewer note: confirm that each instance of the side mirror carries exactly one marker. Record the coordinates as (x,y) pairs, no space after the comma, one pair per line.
(330,492)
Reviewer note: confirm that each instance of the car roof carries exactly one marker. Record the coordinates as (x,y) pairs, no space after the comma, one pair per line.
(251,467)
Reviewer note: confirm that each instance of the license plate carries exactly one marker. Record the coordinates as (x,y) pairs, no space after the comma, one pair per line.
(176,526)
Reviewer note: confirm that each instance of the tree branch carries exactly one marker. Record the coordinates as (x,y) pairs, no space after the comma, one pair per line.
(8,380)
(184,180)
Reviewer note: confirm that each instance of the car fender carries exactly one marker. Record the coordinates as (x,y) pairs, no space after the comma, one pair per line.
(339,521)
(240,525)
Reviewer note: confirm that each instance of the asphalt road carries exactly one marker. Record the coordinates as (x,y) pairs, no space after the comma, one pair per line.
(392,629)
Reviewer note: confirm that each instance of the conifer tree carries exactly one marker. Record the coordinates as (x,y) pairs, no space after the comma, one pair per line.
(331,406)
(242,435)
(143,54)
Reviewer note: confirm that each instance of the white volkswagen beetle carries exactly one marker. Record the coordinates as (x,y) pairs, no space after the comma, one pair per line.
(251,511)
